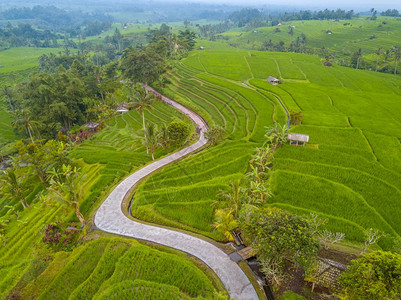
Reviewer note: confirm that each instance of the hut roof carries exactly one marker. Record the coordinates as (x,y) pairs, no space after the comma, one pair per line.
(92,125)
(271,78)
(298,137)
(122,107)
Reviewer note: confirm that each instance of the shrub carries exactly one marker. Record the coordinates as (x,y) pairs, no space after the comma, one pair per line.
(178,132)
(376,275)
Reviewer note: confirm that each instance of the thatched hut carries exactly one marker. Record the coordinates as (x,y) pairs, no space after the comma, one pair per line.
(123,107)
(298,139)
(273,80)
(92,126)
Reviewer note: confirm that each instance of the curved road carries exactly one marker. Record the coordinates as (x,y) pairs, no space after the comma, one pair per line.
(110,218)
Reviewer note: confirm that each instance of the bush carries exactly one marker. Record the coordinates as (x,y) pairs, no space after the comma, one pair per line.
(178,132)
(376,275)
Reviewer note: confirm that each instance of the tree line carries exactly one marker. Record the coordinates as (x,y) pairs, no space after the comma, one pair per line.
(51,17)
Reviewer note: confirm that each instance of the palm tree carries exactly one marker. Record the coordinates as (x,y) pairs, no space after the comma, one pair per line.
(141,99)
(12,185)
(151,141)
(233,198)
(225,222)
(7,91)
(378,53)
(387,55)
(358,55)
(64,187)
(22,121)
(397,56)
(164,137)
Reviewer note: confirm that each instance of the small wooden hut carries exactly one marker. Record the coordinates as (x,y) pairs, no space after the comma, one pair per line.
(273,80)
(122,107)
(92,126)
(298,139)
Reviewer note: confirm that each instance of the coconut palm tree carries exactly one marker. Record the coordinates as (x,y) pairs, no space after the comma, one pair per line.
(358,55)
(378,53)
(22,121)
(64,187)
(233,198)
(141,100)
(7,91)
(397,56)
(225,223)
(151,141)
(12,185)
(164,137)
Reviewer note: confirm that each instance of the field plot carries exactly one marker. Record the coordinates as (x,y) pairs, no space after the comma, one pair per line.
(181,195)
(349,172)
(23,58)
(347,35)
(121,269)
(118,150)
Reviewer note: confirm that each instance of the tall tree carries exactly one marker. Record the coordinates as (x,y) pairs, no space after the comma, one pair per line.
(358,55)
(7,91)
(397,56)
(233,198)
(141,100)
(151,141)
(65,187)
(164,137)
(378,53)
(12,185)
(23,122)
(142,66)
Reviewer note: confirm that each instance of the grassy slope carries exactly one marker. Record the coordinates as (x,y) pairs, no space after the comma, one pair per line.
(346,38)
(350,171)
(346,174)
(181,194)
(117,266)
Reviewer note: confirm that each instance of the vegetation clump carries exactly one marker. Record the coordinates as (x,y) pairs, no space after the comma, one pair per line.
(373,275)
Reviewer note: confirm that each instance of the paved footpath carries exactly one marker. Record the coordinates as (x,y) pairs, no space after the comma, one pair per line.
(110,218)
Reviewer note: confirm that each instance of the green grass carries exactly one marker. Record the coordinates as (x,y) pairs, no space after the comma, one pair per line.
(342,43)
(120,268)
(23,58)
(181,194)
(6,131)
(349,172)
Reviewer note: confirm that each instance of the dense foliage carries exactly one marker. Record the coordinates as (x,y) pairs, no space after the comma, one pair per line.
(279,237)
(53,17)
(376,275)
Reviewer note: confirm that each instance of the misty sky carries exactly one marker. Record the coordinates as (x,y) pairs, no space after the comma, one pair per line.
(355,4)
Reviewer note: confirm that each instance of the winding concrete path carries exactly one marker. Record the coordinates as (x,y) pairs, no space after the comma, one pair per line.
(110,218)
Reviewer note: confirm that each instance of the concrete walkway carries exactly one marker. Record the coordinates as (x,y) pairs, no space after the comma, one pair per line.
(110,218)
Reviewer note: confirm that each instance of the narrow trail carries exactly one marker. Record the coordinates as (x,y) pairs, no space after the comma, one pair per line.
(110,218)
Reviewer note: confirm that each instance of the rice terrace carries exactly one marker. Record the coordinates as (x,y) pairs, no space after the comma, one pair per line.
(199,151)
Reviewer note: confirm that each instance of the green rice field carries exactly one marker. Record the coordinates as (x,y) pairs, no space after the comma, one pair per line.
(349,172)
(113,268)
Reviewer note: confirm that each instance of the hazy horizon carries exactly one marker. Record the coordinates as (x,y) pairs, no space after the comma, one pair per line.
(358,5)
(362,5)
